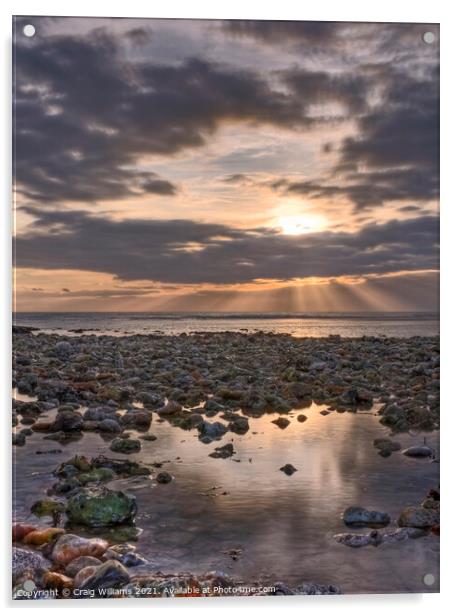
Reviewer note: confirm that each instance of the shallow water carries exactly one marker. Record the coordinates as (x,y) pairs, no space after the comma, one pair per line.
(316,325)
(283,525)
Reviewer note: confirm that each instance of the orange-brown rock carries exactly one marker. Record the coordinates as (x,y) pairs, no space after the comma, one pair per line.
(42,535)
(21,530)
(68,547)
(57,581)
(41,426)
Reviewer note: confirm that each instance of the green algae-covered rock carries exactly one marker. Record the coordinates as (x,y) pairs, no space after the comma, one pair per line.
(97,507)
(125,445)
(97,475)
(47,507)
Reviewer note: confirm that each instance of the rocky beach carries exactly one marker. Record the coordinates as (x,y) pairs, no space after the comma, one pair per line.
(133,454)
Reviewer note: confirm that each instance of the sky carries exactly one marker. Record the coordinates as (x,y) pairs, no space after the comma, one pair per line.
(188,165)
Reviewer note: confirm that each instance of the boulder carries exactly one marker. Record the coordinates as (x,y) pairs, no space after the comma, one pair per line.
(109,425)
(27,564)
(142,419)
(95,507)
(67,421)
(79,563)
(358,516)
(171,408)
(419,517)
(42,536)
(112,574)
(47,507)
(21,530)
(57,581)
(69,547)
(239,425)
(84,574)
(125,445)
(356,540)
(212,430)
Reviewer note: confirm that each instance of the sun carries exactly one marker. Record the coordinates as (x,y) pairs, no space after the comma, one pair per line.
(299,224)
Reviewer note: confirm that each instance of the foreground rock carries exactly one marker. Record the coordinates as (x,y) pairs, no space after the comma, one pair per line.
(111,575)
(75,567)
(419,517)
(70,547)
(375,537)
(95,507)
(27,564)
(358,516)
(224,371)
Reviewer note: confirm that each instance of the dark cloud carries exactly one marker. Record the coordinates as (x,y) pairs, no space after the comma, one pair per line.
(318,33)
(139,36)
(153,185)
(238,178)
(349,39)
(370,189)
(157,250)
(403,131)
(395,153)
(319,87)
(84,114)
(410,208)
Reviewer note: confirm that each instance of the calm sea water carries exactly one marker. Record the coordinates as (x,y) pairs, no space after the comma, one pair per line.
(398,324)
(284,526)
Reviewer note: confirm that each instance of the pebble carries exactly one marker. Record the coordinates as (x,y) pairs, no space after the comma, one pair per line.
(163,477)
(226,451)
(281,422)
(288,469)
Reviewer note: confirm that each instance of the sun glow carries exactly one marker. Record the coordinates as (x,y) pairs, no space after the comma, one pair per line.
(300,224)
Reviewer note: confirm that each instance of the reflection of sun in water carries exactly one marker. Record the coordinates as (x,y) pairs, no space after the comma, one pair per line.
(299,224)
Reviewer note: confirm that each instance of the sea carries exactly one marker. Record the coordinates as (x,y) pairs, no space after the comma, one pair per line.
(312,324)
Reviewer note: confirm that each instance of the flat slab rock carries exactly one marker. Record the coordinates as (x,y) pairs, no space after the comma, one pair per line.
(375,538)
(418,451)
(358,516)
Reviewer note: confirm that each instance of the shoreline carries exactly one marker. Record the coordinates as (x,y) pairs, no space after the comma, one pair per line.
(210,385)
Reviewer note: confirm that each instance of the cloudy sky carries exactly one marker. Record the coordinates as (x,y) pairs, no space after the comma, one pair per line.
(224,166)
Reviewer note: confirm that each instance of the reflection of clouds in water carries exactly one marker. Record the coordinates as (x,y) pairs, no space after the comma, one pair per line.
(284,525)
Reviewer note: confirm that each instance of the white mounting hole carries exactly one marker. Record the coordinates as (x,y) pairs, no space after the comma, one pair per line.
(428,37)
(429,579)
(29,30)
